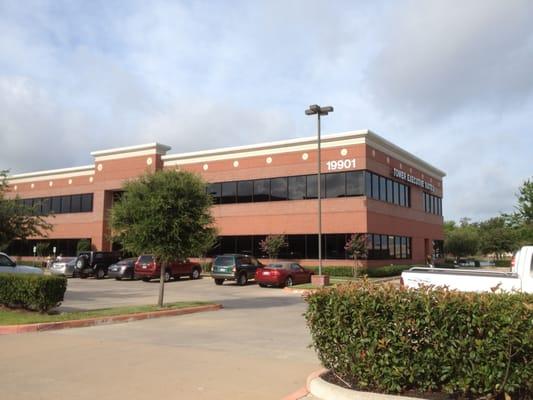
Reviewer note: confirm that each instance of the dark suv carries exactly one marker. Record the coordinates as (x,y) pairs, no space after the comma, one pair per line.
(234,267)
(95,263)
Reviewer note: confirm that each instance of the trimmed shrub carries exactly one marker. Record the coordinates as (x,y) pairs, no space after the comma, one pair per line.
(502,263)
(33,292)
(383,339)
(206,267)
(374,272)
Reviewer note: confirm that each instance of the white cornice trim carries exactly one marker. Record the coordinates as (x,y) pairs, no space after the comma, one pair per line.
(52,174)
(120,151)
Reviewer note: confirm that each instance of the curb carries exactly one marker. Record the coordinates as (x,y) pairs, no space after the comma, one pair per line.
(82,323)
(304,390)
(321,389)
(299,291)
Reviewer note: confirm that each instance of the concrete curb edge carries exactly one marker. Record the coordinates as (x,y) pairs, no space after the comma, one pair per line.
(82,323)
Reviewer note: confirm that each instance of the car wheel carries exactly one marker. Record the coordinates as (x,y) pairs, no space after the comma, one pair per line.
(146,279)
(288,282)
(167,276)
(242,280)
(195,273)
(262,285)
(118,278)
(219,281)
(100,273)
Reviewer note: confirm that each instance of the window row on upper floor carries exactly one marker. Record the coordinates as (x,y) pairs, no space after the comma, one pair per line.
(432,204)
(72,203)
(303,187)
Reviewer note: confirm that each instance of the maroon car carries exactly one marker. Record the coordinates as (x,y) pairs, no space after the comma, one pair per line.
(146,268)
(282,274)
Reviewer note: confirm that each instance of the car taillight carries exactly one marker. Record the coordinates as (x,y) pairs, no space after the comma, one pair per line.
(275,272)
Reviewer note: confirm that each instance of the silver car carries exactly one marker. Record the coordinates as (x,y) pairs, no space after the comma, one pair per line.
(64,266)
(10,266)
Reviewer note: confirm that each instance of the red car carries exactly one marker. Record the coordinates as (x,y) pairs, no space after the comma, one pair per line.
(282,274)
(146,268)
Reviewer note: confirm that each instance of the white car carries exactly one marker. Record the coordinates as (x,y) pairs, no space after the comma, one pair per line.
(10,266)
(64,267)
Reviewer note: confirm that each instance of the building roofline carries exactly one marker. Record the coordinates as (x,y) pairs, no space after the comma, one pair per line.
(50,172)
(366,135)
(160,149)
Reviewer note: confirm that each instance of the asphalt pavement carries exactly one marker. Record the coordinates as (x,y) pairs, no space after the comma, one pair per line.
(255,348)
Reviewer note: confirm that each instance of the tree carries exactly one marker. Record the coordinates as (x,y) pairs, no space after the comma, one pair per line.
(357,248)
(16,220)
(462,242)
(83,245)
(42,249)
(272,245)
(497,236)
(166,214)
(525,202)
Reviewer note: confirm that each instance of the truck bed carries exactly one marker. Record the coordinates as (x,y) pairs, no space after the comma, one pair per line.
(463,272)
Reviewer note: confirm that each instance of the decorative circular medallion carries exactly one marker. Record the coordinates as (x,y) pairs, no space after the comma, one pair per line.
(305,156)
(51,183)
(70,181)
(269,160)
(91,179)
(15,187)
(235,164)
(100,167)
(344,152)
(205,167)
(32,185)
(149,161)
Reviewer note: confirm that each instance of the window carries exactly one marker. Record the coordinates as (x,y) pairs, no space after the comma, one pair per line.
(278,189)
(335,185)
(402,195)
(334,248)
(245,191)
(65,204)
(389,191)
(355,183)
(375,186)
(396,192)
(215,190)
(297,187)
(75,203)
(368,184)
(229,192)
(87,202)
(56,204)
(382,189)
(262,190)
(312,186)
(45,205)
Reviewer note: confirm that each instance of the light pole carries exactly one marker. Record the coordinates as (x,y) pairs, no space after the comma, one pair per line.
(319,111)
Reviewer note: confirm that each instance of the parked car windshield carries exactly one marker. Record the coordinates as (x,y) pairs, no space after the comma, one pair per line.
(130,260)
(146,259)
(224,261)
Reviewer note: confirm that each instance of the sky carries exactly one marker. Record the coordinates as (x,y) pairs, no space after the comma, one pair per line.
(449,81)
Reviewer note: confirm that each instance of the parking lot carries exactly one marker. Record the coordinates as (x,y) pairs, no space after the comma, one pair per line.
(255,348)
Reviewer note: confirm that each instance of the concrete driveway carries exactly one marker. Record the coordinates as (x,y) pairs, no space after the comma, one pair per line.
(256,348)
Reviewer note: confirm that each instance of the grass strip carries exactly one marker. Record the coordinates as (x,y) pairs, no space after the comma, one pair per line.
(20,317)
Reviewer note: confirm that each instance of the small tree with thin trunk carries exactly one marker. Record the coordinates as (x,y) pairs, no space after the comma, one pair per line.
(273,244)
(356,247)
(166,214)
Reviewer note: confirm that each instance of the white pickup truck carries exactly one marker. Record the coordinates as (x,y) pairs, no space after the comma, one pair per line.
(520,278)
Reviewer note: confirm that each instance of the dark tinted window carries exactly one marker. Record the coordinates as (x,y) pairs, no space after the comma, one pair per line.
(87,203)
(146,259)
(355,185)
(45,205)
(335,185)
(396,192)
(375,186)
(215,190)
(382,189)
(278,189)
(65,204)
(75,203)
(402,195)
(334,248)
(389,191)
(245,191)
(262,190)
(312,188)
(56,205)
(368,184)
(297,187)
(229,192)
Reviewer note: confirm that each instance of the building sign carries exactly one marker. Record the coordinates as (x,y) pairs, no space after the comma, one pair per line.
(337,165)
(397,173)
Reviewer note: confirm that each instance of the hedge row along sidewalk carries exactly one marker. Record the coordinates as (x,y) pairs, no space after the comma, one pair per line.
(9,318)
(388,340)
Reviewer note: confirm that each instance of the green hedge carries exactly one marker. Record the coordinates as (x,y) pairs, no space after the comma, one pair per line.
(503,263)
(34,292)
(391,340)
(373,272)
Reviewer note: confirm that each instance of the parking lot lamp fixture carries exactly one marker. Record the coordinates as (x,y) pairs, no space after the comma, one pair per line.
(319,111)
